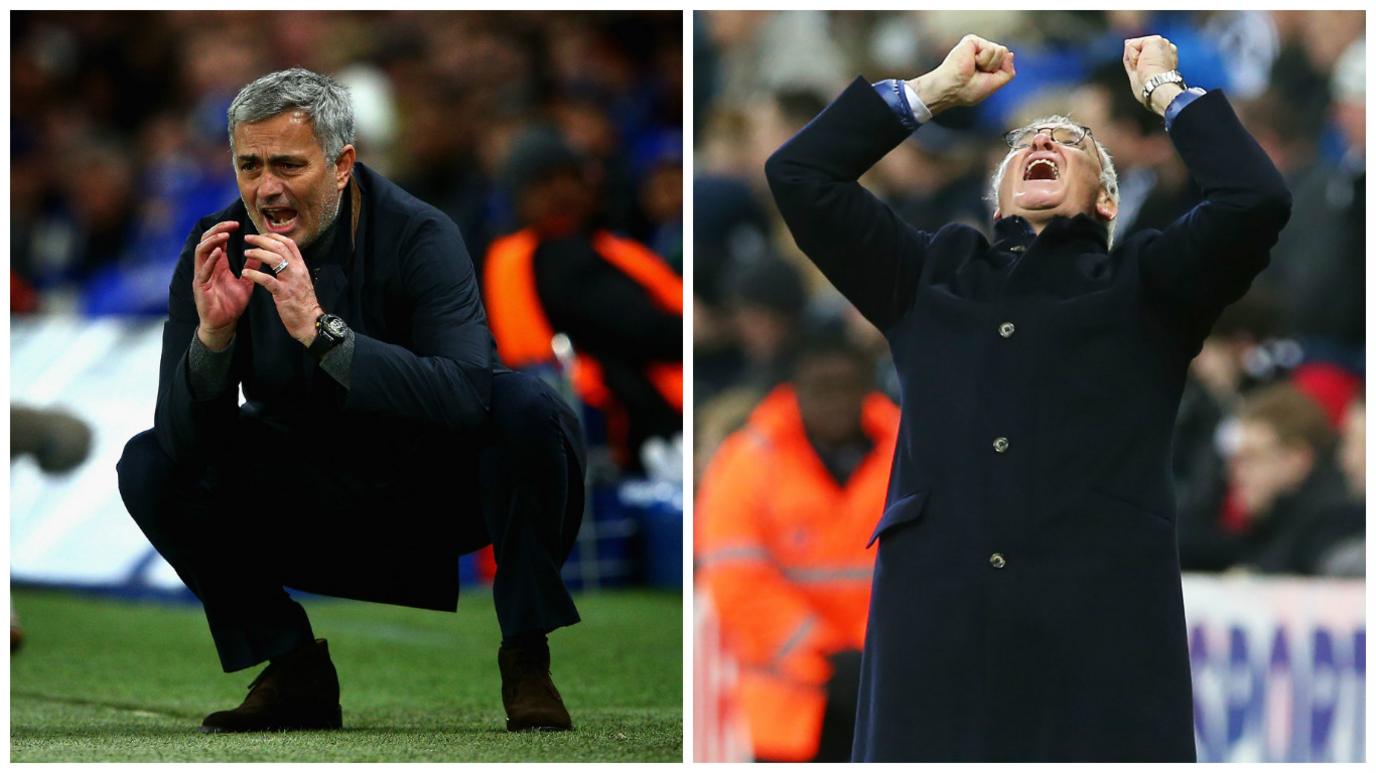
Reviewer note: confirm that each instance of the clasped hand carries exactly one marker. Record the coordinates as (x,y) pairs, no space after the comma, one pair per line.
(222,297)
(291,288)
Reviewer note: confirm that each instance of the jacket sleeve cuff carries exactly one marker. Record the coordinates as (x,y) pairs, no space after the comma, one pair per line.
(1181,101)
(906,106)
(207,371)
(338,361)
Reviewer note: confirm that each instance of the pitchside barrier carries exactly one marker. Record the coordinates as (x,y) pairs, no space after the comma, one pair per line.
(1279,667)
(72,530)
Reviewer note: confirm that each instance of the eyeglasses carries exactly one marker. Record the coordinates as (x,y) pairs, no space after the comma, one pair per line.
(1064,134)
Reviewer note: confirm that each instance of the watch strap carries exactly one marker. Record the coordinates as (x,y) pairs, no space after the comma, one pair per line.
(1158,80)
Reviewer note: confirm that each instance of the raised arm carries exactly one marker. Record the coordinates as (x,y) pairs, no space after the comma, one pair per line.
(1207,258)
(859,243)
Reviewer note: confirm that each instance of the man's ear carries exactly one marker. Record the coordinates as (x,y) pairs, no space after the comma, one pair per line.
(997,214)
(1105,207)
(344,166)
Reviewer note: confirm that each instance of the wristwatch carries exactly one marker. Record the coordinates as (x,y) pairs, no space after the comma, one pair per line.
(329,331)
(1159,79)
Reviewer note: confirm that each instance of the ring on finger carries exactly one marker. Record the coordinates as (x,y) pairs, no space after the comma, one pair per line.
(280,267)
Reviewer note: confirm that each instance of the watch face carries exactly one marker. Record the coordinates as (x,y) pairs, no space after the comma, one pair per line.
(336,326)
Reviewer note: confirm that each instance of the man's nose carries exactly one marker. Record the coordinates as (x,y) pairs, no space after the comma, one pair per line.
(1042,141)
(269,186)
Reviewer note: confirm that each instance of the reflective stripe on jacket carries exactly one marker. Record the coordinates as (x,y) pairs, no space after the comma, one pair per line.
(781,550)
(523,331)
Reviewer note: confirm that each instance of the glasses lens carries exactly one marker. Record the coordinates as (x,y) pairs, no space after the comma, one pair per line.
(1065,135)
(1068,135)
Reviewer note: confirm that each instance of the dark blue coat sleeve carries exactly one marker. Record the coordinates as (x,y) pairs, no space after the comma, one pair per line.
(1207,259)
(445,377)
(872,256)
(186,427)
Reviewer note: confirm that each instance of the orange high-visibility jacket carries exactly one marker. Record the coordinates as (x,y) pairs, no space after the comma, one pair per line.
(781,550)
(523,332)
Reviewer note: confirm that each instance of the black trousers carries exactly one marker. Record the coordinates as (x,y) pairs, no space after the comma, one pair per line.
(238,530)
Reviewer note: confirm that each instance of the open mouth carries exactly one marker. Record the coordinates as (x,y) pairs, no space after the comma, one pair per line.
(1042,169)
(279,219)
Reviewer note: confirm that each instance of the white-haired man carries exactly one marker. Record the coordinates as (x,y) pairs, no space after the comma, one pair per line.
(1026,601)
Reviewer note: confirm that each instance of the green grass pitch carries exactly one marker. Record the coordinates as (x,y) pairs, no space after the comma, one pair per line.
(107,680)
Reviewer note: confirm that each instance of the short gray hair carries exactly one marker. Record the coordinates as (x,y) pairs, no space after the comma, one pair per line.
(323,99)
(1108,176)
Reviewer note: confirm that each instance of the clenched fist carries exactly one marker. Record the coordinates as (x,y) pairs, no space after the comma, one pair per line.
(973,70)
(1148,56)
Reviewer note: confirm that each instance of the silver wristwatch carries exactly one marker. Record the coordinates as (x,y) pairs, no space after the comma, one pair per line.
(1170,76)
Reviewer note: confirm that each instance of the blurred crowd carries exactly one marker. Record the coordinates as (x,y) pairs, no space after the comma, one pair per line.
(1269,455)
(119,142)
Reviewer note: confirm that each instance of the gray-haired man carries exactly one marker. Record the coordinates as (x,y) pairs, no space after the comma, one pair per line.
(1026,602)
(381,437)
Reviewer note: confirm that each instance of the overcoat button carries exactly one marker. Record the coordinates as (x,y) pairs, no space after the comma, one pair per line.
(1000,445)
(997,561)
(1006,330)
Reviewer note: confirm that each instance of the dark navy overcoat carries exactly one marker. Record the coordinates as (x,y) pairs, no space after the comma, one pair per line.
(1027,600)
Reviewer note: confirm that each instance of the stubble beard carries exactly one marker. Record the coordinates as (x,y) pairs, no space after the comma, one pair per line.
(328,212)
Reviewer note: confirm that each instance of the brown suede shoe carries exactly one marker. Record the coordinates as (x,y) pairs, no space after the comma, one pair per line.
(532,702)
(299,691)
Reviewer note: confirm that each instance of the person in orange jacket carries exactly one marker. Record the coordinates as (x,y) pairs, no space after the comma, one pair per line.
(785,509)
(620,305)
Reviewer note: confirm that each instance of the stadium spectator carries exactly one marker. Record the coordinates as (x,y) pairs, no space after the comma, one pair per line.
(619,304)
(1233,360)
(784,512)
(729,230)
(766,301)
(1315,258)
(1349,560)
(1352,448)
(659,163)
(936,179)
(1282,464)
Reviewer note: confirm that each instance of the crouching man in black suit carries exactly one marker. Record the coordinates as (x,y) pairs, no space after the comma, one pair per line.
(1026,601)
(381,437)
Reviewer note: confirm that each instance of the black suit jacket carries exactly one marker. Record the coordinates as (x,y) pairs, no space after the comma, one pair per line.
(381,480)
(423,355)
(1027,600)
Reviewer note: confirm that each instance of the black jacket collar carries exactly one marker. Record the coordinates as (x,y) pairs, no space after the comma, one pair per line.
(1015,231)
